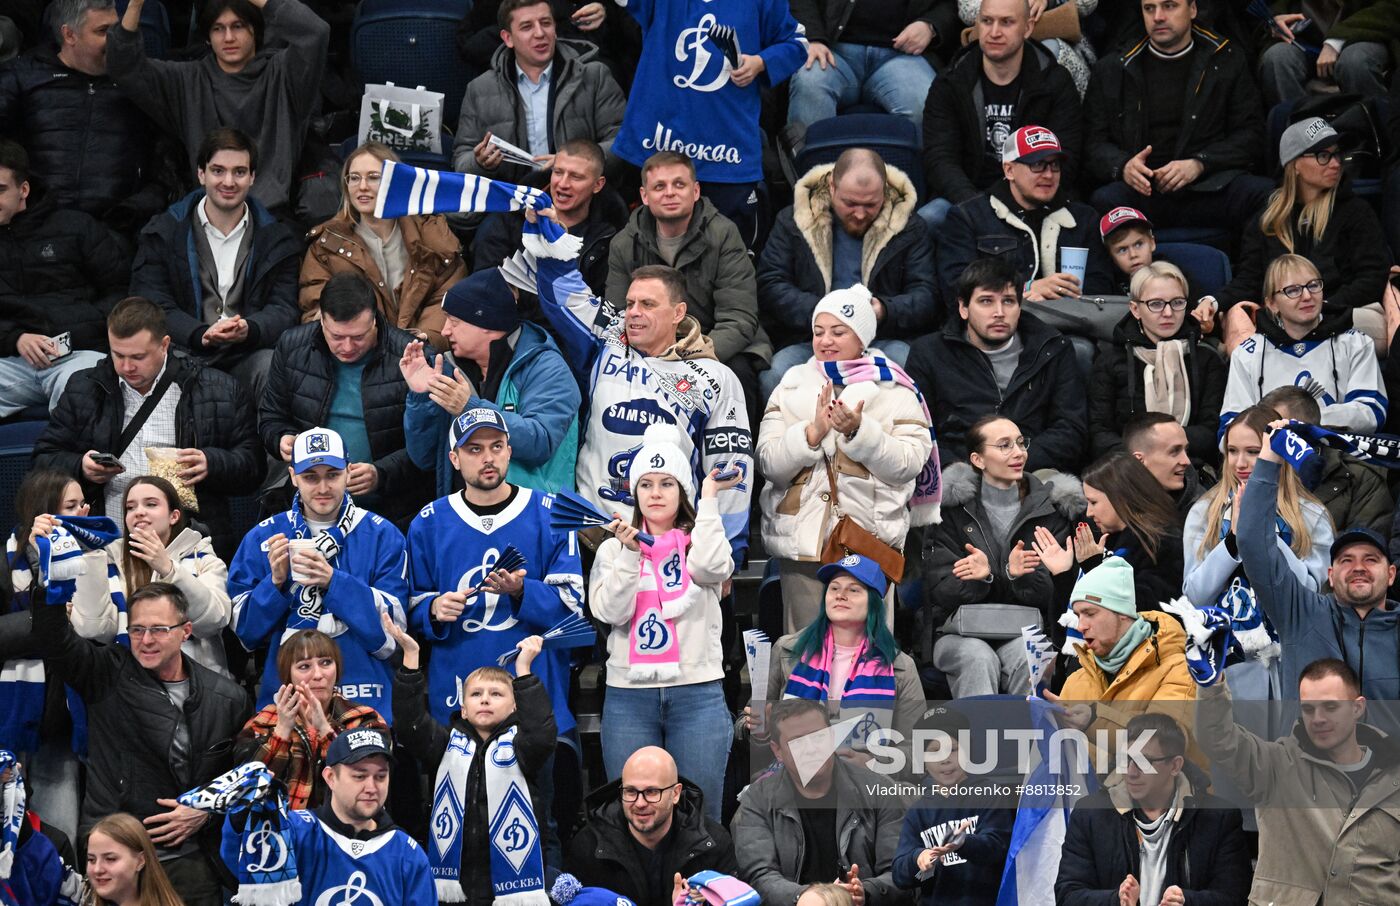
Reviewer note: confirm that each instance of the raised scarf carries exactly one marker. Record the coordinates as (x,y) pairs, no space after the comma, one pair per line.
(870,686)
(267,865)
(405,190)
(1166,384)
(928,487)
(1295,445)
(664,593)
(517,861)
(1139,631)
(309,612)
(60,553)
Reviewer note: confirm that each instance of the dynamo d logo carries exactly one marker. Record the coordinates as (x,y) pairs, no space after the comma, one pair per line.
(658,461)
(652,634)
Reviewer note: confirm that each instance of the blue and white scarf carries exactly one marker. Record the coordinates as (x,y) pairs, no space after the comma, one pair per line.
(406,191)
(267,865)
(1297,444)
(517,860)
(60,553)
(12,807)
(309,612)
(1253,635)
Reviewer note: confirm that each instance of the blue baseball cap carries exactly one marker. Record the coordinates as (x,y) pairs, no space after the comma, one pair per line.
(472,421)
(1357,535)
(357,745)
(318,447)
(865,571)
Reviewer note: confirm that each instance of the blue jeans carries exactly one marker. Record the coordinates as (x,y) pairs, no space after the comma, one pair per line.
(691,722)
(895,82)
(933,214)
(896,351)
(22,385)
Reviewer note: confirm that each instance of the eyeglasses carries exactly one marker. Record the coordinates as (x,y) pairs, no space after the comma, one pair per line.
(1156,305)
(369,179)
(650,794)
(1004,448)
(1040,166)
(160,633)
(1324,158)
(1294,290)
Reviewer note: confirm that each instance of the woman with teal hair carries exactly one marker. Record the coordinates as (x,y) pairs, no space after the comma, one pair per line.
(847,657)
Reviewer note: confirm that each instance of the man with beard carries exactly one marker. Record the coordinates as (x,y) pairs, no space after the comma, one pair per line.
(1026,220)
(467,609)
(1355,623)
(645,829)
(325,564)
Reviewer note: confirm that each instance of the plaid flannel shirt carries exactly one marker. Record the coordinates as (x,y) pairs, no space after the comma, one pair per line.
(297,761)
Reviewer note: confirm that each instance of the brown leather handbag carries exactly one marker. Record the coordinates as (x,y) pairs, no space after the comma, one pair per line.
(850,537)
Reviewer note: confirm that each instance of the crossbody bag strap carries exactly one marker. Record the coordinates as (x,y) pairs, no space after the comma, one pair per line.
(133,427)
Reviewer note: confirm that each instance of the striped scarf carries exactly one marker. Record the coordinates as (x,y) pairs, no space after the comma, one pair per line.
(266,864)
(928,487)
(408,191)
(1297,442)
(870,687)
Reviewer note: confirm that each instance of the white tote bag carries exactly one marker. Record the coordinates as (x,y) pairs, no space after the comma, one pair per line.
(405,119)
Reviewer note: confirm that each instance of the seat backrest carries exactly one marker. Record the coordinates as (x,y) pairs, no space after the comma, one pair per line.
(155,30)
(16,453)
(410,43)
(1206,268)
(894,138)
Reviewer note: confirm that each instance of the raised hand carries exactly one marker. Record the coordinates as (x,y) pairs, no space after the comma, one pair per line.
(1053,555)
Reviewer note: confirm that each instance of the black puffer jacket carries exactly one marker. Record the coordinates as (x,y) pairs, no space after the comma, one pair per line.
(1351,257)
(166,271)
(825,21)
(300,384)
(214,414)
(88,144)
(956,163)
(1055,504)
(131,725)
(602,852)
(1206,857)
(1045,397)
(1117,391)
(1223,121)
(60,270)
(428,740)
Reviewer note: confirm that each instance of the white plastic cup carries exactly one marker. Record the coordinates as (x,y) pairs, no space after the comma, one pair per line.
(1074,261)
(295,546)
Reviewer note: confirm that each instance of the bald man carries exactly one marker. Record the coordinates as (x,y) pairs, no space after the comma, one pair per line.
(850,222)
(645,828)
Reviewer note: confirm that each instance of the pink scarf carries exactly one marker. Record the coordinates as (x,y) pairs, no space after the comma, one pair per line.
(664,593)
(928,487)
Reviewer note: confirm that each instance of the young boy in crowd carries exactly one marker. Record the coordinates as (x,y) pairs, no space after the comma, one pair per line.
(953,845)
(1127,235)
(486,843)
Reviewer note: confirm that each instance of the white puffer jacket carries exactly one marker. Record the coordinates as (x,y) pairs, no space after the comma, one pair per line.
(198,572)
(875,470)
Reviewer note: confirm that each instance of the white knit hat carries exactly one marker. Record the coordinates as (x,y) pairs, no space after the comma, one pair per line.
(851,307)
(661,452)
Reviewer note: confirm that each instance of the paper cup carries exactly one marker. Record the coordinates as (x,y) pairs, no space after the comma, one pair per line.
(1074,262)
(295,546)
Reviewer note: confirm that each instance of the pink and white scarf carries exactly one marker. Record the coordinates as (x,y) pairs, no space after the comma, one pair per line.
(928,487)
(664,593)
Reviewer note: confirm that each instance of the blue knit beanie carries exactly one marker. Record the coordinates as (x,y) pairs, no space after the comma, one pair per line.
(483,299)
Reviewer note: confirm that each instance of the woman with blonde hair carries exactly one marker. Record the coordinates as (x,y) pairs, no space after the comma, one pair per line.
(122,868)
(411,261)
(1214,575)
(1312,213)
(1157,363)
(1303,340)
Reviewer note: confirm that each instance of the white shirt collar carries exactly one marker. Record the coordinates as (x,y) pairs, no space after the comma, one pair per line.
(127,388)
(204,219)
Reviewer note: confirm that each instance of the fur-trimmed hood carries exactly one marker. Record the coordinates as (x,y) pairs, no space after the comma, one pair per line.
(961,485)
(812,214)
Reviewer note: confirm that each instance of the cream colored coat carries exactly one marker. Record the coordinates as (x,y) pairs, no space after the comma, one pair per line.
(875,470)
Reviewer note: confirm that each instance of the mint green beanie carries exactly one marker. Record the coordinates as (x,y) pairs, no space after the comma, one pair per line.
(1108,585)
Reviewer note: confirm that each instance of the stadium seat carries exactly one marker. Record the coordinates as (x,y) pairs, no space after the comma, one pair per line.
(16,450)
(1084,352)
(1207,268)
(155,28)
(412,42)
(895,138)
(1216,237)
